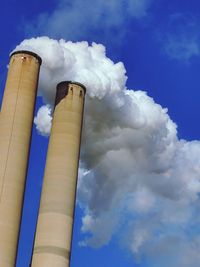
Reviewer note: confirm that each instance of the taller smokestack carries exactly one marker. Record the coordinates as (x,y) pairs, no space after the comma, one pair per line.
(16,118)
(54,228)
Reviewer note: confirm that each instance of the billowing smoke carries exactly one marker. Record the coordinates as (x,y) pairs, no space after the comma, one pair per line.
(138,181)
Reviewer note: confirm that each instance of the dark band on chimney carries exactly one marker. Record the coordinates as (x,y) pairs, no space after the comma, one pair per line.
(63,89)
(28,53)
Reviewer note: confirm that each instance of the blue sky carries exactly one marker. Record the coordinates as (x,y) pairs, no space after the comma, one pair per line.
(159,44)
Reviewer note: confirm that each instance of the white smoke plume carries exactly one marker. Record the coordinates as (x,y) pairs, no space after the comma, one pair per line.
(138,181)
(43,120)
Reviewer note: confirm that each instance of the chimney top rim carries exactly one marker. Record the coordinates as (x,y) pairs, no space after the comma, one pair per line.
(27,52)
(72,82)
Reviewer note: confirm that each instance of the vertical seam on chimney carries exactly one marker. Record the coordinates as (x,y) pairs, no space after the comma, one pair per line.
(10,139)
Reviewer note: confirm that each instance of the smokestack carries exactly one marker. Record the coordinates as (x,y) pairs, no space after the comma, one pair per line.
(16,118)
(55,221)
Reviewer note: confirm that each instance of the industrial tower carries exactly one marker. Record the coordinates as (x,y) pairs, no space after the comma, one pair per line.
(52,245)
(16,119)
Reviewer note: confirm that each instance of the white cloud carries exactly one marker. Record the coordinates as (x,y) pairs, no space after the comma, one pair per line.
(138,180)
(182,48)
(181,39)
(77,18)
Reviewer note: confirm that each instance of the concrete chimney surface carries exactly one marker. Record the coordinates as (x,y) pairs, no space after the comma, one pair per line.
(15,133)
(55,221)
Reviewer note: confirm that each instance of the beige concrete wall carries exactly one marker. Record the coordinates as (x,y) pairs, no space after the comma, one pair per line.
(54,229)
(15,132)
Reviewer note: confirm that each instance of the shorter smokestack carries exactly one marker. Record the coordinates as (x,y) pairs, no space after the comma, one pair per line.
(55,221)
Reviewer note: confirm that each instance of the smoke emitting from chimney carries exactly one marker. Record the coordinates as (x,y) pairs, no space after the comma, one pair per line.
(134,169)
